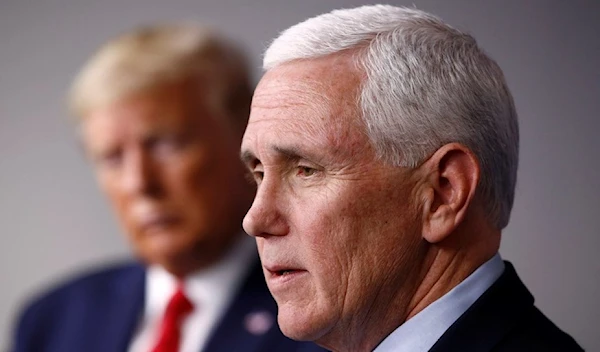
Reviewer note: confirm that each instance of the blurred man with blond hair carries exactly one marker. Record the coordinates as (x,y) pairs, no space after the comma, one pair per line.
(161,112)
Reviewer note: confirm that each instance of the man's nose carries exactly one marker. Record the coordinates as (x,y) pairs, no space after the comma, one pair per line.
(140,175)
(265,218)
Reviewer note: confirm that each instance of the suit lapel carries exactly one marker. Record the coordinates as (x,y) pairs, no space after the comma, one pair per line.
(490,318)
(125,308)
(251,318)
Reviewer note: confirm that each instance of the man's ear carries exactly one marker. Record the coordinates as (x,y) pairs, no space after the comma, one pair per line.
(452,175)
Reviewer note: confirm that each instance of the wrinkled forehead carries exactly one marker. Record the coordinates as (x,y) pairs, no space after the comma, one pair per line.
(316,98)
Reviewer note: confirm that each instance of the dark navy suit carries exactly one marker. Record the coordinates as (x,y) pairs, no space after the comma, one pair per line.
(504,319)
(99,312)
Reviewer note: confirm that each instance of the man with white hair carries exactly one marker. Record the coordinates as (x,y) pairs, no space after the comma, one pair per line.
(161,113)
(384,144)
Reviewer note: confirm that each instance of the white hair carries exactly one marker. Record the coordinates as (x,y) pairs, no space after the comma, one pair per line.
(427,84)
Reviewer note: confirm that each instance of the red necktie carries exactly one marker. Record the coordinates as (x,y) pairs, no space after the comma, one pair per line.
(170,331)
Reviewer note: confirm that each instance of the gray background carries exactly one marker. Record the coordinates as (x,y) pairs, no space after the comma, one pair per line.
(54,222)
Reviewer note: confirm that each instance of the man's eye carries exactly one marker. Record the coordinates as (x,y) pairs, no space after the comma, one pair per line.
(254,176)
(306,171)
(258,176)
(167,145)
(111,159)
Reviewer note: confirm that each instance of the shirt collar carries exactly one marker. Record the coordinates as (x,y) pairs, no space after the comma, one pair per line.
(209,288)
(421,332)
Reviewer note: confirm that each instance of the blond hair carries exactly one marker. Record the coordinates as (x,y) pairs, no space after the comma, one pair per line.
(152,56)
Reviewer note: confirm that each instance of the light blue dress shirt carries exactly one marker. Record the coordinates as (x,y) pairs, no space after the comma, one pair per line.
(421,332)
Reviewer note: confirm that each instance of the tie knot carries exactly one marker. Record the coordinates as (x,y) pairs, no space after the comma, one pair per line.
(179,306)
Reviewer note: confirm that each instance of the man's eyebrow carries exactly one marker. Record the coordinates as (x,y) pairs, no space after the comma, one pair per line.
(248,157)
(290,153)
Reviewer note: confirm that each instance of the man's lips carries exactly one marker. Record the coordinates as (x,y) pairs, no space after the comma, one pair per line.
(282,270)
(280,278)
(158,222)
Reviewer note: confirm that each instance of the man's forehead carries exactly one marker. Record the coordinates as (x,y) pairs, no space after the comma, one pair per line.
(313,101)
(285,89)
(330,75)
(273,133)
(313,90)
(307,127)
(136,118)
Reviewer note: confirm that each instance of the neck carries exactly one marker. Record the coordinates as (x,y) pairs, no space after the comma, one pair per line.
(438,269)
(203,257)
(448,269)
(453,259)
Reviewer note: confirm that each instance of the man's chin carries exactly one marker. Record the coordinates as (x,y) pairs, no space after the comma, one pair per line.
(170,259)
(300,324)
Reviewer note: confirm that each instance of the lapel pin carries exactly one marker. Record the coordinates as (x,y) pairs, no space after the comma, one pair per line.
(258,323)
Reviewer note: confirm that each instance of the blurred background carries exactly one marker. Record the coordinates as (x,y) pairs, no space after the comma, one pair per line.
(54,222)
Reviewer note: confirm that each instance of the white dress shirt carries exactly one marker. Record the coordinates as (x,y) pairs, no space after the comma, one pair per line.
(210,291)
(421,332)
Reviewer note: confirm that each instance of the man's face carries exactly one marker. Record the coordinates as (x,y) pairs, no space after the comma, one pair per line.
(338,231)
(171,171)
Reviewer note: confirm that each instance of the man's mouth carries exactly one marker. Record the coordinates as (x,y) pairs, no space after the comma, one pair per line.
(282,278)
(280,269)
(284,272)
(158,222)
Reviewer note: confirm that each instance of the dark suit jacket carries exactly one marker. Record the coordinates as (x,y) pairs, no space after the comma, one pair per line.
(504,319)
(100,311)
